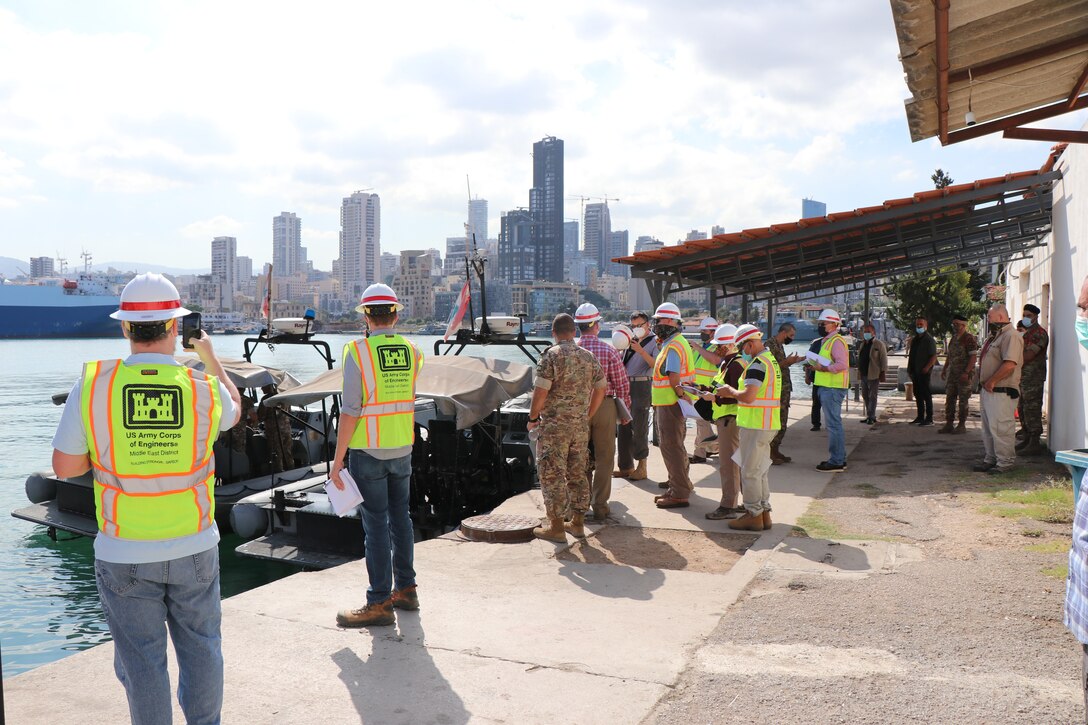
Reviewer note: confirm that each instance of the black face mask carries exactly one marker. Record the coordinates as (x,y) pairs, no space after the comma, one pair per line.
(663,331)
(787,341)
(997,327)
(704,337)
(822,329)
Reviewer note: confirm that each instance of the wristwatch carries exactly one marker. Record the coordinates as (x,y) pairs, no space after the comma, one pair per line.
(535,420)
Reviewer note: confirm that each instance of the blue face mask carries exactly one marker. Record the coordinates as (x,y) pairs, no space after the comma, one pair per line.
(1027,322)
(867,335)
(746,357)
(920,330)
(1082,332)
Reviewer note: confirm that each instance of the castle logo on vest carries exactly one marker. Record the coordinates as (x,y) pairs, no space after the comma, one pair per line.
(152,406)
(394,357)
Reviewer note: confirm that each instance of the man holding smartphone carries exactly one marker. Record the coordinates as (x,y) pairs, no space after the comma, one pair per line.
(145,426)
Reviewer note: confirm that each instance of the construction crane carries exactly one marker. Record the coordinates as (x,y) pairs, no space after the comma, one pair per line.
(605,199)
(62,262)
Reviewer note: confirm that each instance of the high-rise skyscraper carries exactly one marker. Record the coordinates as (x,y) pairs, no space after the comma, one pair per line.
(812,208)
(517,250)
(224,262)
(618,245)
(288,256)
(546,206)
(598,235)
(360,243)
(477,221)
(570,240)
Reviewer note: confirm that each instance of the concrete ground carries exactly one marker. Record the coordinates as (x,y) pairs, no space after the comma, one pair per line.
(603,632)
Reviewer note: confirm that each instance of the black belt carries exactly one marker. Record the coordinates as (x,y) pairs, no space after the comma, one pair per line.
(1011,392)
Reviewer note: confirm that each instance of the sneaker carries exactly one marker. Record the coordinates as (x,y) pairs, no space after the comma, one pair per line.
(916,421)
(925,423)
(829,467)
(722,512)
(406,598)
(983,467)
(815,427)
(378,614)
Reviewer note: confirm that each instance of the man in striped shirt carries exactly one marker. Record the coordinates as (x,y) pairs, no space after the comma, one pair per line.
(602,426)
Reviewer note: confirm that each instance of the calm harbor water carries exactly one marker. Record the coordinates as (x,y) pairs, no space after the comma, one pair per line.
(48,604)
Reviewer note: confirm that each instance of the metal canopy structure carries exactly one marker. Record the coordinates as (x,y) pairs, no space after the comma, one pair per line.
(1006,62)
(1001,218)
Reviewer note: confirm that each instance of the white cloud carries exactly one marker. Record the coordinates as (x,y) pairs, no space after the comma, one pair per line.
(218,226)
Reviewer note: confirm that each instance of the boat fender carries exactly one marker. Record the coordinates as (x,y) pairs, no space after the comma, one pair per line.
(248,521)
(40,488)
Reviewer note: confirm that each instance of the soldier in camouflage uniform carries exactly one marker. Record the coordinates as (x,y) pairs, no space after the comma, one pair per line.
(1032,377)
(277,431)
(776,345)
(959,367)
(238,432)
(570,386)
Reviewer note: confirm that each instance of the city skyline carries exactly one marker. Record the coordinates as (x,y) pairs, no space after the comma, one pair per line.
(685,113)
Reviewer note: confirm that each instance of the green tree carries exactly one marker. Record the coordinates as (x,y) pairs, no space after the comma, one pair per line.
(937,295)
(597,299)
(941,179)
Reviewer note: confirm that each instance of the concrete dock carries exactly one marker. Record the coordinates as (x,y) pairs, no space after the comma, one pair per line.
(519,633)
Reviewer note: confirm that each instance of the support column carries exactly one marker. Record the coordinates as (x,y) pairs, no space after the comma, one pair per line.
(770,317)
(713,302)
(744,309)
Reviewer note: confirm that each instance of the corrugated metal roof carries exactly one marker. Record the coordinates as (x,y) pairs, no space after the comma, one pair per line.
(1021,54)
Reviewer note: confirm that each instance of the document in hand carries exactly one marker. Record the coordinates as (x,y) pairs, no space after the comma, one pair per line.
(817,358)
(344,502)
(689,410)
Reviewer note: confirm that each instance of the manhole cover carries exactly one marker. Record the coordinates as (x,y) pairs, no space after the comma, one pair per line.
(508,528)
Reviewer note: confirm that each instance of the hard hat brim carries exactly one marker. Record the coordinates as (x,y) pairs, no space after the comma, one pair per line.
(397,307)
(149,315)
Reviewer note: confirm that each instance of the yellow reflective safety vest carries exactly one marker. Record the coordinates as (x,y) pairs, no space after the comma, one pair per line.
(662,392)
(720,411)
(832,380)
(389,366)
(704,371)
(763,413)
(151,429)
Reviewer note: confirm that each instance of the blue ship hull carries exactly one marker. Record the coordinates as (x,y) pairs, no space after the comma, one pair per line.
(47,312)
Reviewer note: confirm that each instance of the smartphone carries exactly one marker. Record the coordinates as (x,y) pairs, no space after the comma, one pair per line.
(190,328)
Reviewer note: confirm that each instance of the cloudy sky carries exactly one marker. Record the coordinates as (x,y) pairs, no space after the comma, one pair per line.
(140,129)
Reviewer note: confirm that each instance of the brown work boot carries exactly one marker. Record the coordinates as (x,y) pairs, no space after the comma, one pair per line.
(406,598)
(552,530)
(379,614)
(576,526)
(748,522)
(622,472)
(961,428)
(947,428)
(639,473)
(766,520)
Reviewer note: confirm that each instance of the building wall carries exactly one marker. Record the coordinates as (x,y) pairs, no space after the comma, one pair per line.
(414,286)
(224,256)
(546,205)
(1051,279)
(360,243)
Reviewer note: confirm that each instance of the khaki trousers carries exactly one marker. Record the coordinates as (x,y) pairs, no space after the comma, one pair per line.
(998,428)
(755,462)
(671,431)
(703,430)
(729,472)
(602,440)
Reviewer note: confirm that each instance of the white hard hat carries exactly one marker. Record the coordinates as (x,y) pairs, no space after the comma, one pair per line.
(745,333)
(378,295)
(725,334)
(667,311)
(708,323)
(149,297)
(829,315)
(586,314)
(622,337)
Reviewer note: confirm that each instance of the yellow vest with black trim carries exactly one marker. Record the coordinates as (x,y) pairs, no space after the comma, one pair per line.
(763,412)
(703,369)
(389,366)
(151,429)
(662,392)
(722,410)
(840,379)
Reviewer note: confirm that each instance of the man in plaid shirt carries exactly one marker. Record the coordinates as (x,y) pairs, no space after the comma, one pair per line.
(602,427)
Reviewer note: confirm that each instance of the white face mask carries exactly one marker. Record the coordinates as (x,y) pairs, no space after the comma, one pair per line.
(640,331)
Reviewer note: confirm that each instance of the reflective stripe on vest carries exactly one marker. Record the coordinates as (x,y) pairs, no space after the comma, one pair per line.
(840,379)
(662,392)
(763,412)
(389,366)
(151,429)
(703,369)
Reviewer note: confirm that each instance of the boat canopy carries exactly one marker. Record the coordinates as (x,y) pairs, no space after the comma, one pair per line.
(246,374)
(469,388)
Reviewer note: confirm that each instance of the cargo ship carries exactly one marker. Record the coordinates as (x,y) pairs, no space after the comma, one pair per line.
(59,308)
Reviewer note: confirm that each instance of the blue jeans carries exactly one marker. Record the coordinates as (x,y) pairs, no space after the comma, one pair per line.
(141,602)
(831,407)
(387,525)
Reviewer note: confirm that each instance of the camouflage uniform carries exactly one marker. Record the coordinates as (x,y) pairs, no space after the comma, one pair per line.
(960,350)
(779,354)
(277,430)
(569,374)
(1032,377)
(238,432)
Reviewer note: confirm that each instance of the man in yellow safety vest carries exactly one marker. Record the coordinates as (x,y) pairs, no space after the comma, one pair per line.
(832,375)
(145,427)
(672,369)
(376,432)
(758,418)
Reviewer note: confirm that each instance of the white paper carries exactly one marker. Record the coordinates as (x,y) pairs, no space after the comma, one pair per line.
(816,357)
(692,390)
(689,410)
(344,502)
(736,458)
